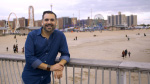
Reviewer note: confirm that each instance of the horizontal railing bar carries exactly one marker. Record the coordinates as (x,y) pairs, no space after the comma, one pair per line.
(140,66)
(12,57)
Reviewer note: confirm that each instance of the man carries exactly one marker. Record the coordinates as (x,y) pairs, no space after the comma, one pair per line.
(126,51)
(41,49)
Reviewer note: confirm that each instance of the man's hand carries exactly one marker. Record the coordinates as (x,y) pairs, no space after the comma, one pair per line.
(58,74)
(57,67)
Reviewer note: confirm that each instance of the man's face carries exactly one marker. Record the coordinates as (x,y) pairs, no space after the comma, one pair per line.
(49,22)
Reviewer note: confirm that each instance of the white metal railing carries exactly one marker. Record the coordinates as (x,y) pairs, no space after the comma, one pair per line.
(81,71)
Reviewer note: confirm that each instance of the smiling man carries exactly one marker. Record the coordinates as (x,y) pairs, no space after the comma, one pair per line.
(41,49)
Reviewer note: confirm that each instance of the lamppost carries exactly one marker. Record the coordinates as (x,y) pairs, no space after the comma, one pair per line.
(51,7)
(73,20)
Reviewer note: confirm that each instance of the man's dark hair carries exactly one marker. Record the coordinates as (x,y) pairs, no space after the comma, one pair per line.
(49,12)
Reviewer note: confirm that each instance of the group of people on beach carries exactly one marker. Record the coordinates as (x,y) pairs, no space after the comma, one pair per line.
(76,38)
(125,52)
(128,37)
(15,47)
(139,34)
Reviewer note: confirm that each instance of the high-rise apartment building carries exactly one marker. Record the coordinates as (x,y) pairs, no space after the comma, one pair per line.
(122,19)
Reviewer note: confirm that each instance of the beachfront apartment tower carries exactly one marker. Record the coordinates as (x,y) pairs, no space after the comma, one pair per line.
(122,19)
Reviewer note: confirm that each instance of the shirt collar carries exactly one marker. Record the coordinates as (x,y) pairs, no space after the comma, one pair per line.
(39,31)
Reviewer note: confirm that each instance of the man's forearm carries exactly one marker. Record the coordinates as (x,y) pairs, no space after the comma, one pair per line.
(43,66)
(58,66)
(63,62)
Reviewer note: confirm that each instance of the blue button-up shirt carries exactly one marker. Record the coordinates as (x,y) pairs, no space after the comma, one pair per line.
(41,50)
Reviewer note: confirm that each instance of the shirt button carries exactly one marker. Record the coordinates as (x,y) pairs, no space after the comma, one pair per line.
(46,53)
(41,76)
(44,61)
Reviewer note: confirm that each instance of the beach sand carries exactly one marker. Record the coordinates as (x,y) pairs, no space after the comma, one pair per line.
(106,45)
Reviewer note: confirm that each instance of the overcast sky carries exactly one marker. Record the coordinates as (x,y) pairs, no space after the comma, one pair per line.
(64,8)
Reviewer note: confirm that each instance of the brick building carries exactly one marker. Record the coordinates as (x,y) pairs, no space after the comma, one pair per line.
(38,23)
(2,23)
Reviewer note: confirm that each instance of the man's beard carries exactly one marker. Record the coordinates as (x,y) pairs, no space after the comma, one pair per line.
(52,27)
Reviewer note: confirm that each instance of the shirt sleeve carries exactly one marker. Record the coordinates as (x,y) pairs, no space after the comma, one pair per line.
(64,49)
(29,52)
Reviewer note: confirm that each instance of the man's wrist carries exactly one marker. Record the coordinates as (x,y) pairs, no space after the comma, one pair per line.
(48,67)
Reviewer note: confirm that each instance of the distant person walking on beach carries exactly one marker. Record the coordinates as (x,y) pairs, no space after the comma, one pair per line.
(144,34)
(14,48)
(23,50)
(14,36)
(41,49)
(7,48)
(128,38)
(17,48)
(123,54)
(129,53)
(126,51)
(76,37)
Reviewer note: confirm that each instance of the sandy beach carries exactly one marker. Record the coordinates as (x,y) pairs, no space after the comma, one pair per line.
(105,45)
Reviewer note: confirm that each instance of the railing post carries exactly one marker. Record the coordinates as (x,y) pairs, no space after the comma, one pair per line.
(102,75)
(0,74)
(122,77)
(73,74)
(3,71)
(53,77)
(109,76)
(117,76)
(89,75)
(66,74)
(139,77)
(148,78)
(96,75)
(81,74)
(129,77)
(7,71)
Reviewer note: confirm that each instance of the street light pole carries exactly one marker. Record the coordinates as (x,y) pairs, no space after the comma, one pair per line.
(51,7)
(73,20)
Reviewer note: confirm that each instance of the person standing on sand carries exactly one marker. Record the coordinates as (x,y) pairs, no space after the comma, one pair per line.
(14,48)
(76,37)
(126,51)
(17,48)
(123,54)
(7,48)
(144,34)
(129,53)
(23,50)
(128,38)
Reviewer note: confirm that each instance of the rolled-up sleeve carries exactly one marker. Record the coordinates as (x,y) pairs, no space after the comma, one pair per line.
(64,49)
(29,52)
